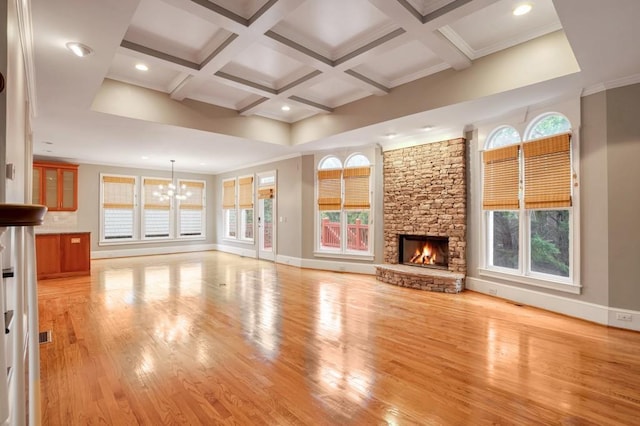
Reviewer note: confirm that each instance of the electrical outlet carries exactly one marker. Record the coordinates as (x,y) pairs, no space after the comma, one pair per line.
(621,316)
(493,291)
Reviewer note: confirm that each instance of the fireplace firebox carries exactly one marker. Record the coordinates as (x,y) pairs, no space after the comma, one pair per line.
(424,250)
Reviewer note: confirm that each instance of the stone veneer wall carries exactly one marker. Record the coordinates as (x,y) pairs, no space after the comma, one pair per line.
(425,194)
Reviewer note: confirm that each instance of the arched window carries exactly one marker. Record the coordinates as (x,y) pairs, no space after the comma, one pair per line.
(329,163)
(527,185)
(547,124)
(502,136)
(344,205)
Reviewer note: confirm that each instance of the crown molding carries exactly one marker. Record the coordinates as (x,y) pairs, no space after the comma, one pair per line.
(611,84)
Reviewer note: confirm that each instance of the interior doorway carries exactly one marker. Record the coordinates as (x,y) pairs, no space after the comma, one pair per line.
(267,215)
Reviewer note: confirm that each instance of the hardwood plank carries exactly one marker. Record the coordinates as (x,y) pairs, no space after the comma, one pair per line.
(212,338)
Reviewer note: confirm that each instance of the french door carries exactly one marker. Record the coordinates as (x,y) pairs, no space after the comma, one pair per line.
(267,215)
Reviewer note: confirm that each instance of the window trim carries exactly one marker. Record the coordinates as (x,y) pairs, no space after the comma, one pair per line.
(523,274)
(343,252)
(135,233)
(203,224)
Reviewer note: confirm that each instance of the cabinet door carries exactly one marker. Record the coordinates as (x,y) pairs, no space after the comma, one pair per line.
(47,254)
(68,181)
(36,187)
(51,188)
(74,250)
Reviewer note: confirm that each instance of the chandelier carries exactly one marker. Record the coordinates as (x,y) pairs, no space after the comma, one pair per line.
(172,190)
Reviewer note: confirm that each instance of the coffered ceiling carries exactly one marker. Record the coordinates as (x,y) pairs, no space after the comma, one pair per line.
(284,61)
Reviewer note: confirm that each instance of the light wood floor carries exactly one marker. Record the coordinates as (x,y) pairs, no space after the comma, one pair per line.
(212,338)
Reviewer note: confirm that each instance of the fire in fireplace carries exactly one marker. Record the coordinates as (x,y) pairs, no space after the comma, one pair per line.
(424,250)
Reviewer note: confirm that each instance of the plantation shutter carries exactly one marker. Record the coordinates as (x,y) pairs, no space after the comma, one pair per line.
(246,192)
(501,179)
(547,172)
(329,190)
(229,194)
(356,188)
(195,200)
(265,192)
(153,202)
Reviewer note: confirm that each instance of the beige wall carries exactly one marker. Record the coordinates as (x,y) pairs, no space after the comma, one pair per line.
(88,214)
(623,186)
(288,206)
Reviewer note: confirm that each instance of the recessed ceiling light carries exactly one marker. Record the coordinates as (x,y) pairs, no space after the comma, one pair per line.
(144,157)
(286,108)
(47,142)
(427,127)
(202,164)
(142,67)
(390,135)
(522,9)
(79,49)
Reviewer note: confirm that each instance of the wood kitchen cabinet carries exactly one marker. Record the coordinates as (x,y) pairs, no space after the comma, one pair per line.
(63,255)
(55,185)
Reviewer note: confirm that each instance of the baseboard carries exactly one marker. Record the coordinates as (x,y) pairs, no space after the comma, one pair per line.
(145,251)
(236,250)
(328,265)
(600,314)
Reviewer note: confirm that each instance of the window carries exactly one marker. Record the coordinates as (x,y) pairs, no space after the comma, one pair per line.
(245,204)
(118,207)
(229,212)
(156,212)
(528,199)
(191,217)
(123,218)
(343,205)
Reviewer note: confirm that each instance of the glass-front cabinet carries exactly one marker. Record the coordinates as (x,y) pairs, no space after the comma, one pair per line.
(55,185)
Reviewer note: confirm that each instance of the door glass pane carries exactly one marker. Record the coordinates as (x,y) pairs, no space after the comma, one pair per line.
(550,242)
(267,224)
(505,238)
(67,189)
(51,188)
(35,187)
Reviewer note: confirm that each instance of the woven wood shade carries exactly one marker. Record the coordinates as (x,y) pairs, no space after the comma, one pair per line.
(118,192)
(229,194)
(329,190)
(266,192)
(245,192)
(356,188)
(194,202)
(151,202)
(547,172)
(501,179)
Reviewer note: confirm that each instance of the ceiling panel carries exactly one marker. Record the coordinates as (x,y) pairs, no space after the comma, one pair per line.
(262,65)
(333,92)
(403,64)
(157,77)
(162,27)
(425,7)
(244,8)
(495,27)
(334,27)
(274,110)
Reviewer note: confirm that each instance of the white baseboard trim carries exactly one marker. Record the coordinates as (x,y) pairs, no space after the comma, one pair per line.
(600,314)
(289,260)
(236,250)
(328,265)
(145,251)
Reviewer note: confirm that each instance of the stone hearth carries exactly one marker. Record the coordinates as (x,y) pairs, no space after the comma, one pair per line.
(425,194)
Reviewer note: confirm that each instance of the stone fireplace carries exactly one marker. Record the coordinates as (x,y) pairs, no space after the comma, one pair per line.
(425,217)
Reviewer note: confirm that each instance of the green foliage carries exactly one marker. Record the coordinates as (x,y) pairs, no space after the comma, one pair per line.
(505,239)
(550,242)
(550,125)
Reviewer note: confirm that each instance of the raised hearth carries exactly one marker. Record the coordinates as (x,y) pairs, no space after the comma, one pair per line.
(421,278)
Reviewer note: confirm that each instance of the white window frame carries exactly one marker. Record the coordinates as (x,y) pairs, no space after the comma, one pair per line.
(225,221)
(240,210)
(136,227)
(143,224)
(524,274)
(203,224)
(343,251)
